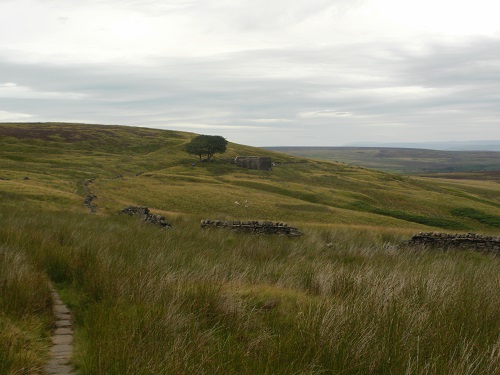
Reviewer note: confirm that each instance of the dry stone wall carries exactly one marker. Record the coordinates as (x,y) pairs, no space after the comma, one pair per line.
(447,241)
(143,212)
(257,227)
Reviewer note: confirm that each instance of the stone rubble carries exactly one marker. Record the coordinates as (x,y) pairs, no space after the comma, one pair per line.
(257,227)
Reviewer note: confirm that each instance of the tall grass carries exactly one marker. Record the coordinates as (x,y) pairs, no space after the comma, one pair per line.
(339,300)
(25,314)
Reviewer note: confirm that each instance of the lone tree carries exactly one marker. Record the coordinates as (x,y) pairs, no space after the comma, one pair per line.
(206,145)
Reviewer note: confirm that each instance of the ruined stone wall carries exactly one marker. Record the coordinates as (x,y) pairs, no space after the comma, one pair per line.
(143,212)
(258,227)
(447,241)
(254,162)
(90,197)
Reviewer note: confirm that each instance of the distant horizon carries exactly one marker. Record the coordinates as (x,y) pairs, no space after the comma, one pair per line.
(440,145)
(476,145)
(389,144)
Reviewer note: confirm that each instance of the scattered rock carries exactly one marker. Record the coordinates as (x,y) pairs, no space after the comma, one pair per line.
(148,217)
(445,241)
(258,227)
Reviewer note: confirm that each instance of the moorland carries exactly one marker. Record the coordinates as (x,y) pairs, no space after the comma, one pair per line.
(344,298)
(408,161)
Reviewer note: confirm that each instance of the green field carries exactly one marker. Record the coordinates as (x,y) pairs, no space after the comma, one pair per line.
(343,298)
(405,161)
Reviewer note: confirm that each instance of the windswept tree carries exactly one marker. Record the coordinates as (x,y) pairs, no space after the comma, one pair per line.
(206,145)
(195,147)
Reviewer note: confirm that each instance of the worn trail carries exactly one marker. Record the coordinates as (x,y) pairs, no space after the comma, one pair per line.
(61,351)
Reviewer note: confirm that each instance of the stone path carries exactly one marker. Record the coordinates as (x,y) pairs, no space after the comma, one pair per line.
(62,339)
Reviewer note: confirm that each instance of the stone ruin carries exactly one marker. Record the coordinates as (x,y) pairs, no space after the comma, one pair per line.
(148,217)
(89,202)
(89,199)
(254,162)
(445,241)
(257,227)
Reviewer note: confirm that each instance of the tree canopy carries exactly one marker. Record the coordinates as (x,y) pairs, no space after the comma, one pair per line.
(206,145)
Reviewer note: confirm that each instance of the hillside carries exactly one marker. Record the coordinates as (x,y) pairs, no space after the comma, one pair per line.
(402,160)
(46,165)
(347,297)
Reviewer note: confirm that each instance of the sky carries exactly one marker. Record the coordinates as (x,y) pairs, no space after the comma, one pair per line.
(261,73)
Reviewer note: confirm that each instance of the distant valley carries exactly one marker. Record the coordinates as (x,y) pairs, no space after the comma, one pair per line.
(403,160)
(489,145)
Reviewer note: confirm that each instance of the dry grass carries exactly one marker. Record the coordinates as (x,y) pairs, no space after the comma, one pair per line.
(339,300)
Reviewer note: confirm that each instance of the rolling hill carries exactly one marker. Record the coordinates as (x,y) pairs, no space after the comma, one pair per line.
(46,165)
(347,297)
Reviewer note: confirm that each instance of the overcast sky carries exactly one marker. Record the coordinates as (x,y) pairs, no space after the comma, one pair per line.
(258,72)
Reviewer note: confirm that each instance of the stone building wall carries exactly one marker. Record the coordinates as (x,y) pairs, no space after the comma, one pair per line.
(254,162)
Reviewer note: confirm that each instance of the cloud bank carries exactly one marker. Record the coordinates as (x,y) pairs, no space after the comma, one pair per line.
(290,72)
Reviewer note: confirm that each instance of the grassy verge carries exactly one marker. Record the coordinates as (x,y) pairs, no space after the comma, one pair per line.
(338,300)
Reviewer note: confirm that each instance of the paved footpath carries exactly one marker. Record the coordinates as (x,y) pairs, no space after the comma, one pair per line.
(62,339)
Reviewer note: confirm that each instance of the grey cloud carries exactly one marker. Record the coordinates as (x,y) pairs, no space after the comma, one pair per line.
(478,60)
(353,89)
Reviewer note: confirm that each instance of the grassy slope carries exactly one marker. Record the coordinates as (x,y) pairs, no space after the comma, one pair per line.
(344,298)
(57,158)
(402,160)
